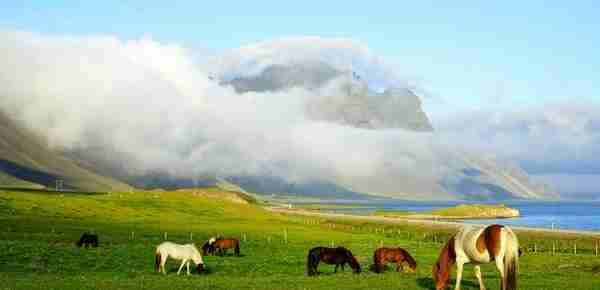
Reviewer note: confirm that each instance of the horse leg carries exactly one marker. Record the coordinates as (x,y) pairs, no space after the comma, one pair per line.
(477,270)
(181,266)
(336,266)
(187,265)
(500,266)
(163,261)
(343,266)
(398,266)
(459,270)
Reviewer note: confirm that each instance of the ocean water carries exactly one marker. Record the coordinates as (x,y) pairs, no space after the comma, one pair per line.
(538,214)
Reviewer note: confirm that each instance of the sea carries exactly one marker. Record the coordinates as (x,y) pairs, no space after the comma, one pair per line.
(571,215)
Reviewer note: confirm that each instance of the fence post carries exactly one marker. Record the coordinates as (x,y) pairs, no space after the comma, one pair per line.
(285,235)
(596,248)
(191,236)
(575,248)
(245,239)
(535,248)
(165,236)
(553,248)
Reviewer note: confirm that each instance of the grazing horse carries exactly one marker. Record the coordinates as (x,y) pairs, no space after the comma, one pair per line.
(221,245)
(185,253)
(87,240)
(398,255)
(332,256)
(479,245)
(208,248)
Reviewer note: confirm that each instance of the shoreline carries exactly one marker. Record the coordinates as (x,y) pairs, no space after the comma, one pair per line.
(440,223)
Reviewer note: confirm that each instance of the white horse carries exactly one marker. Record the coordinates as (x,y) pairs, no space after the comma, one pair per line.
(185,253)
(479,245)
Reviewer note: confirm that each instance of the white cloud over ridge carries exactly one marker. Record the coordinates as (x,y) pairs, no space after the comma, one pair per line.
(155,103)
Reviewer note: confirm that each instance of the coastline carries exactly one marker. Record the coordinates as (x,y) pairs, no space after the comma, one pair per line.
(434,223)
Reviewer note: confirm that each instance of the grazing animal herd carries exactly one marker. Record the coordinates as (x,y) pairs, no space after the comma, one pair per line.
(475,245)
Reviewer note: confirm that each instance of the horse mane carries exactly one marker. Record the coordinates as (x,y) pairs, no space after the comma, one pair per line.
(445,261)
(408,258)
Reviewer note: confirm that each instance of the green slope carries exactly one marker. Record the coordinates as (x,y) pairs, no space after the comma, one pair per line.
(25,160)
(38,232)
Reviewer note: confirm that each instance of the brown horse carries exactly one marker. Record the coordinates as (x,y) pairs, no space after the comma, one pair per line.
(397,255)
(221,245)
(332,256)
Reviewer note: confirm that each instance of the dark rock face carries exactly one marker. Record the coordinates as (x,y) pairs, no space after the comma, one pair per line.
(279,77)
(355,106)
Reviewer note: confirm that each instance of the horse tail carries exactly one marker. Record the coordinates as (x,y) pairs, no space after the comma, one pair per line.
(511,260)
(157,260)
(376,262)
(237,248)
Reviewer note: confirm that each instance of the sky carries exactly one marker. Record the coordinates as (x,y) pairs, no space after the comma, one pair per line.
(505,53)
(514,78)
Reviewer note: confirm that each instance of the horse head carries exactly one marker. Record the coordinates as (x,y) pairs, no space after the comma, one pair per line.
(412,264)
(200,268)
(207,248)
(353,262)
(443,267)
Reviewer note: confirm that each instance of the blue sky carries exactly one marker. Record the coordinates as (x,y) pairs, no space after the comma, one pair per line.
(469,53)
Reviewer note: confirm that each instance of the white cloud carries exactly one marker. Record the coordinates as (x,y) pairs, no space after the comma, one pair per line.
(154,104)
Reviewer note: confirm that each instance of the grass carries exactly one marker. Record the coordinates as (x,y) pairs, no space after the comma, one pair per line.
(456,212)
(319,206)
(38,231)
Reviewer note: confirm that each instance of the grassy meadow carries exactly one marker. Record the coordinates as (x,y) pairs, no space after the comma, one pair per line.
(38,231)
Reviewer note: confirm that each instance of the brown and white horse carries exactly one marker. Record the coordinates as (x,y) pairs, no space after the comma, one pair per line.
(479,245)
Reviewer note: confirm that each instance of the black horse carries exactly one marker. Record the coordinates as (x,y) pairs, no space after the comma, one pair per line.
(332,256)
(87,240)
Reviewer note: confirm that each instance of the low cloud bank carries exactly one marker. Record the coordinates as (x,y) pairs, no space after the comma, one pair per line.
(161,107)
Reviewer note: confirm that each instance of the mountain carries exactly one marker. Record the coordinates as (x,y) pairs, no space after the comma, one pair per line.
(27,161)
(354,104)
(419,171)
(468,176)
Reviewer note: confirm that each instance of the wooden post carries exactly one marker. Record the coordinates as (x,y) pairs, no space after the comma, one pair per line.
(245,238)
(596,248)
(535,248)
(553,248)
(285,235)
(575,248)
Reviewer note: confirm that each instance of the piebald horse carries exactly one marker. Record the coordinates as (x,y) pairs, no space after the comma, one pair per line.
(184,253)
(479,245)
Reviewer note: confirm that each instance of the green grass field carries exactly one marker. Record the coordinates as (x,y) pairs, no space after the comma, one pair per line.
(38,231)
(459,211)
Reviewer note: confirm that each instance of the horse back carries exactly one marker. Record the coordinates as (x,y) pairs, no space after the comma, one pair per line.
(480,245)
(226,243)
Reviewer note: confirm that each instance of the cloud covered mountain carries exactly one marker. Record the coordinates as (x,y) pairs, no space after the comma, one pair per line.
(26,161)
(288,111)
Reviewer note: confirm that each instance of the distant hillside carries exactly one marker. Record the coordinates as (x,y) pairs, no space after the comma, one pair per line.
(26,161)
